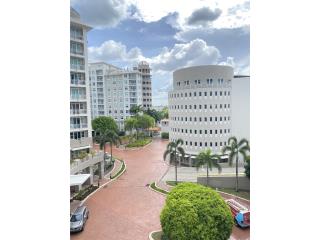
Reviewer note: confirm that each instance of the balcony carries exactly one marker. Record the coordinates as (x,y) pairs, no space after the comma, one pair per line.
(78,82)
(81,53)
(78,111)
(78,126)
(77,67)
(78,98)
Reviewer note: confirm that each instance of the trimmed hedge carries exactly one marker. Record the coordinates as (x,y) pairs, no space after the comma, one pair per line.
(83,193)
(195,212)
(165,135)
(139,143)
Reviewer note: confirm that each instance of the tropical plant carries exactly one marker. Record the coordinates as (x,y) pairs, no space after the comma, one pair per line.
(205,158)
(144,122)
(173,149)
(196,212)
(113,139)
(136,109)
(130,124)
(106,130)
(233,149)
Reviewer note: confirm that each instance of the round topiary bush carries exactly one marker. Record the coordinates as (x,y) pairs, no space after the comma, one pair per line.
(195,212)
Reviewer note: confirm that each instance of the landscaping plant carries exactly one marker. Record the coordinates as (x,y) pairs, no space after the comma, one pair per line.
(193,211)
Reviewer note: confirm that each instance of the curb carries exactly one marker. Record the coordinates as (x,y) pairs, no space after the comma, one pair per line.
(150,234)
(158,191)
(246,200)
(111,180)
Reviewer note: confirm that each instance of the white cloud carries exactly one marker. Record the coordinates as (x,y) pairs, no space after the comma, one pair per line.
(112,52)
(102,13)
(196,52)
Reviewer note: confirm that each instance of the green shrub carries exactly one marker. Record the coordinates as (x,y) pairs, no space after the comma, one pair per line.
(195,212)
(83,193)
(165,135)
(139,143)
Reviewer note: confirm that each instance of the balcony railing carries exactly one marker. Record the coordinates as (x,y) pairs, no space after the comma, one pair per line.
(78,82)
(77,126)
(77,52)
(78,98)
(78,111)
(77,67)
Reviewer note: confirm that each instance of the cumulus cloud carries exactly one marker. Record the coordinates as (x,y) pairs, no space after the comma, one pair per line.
(196,52)
(244,7)
(112,52)
(102,13)
(203,16)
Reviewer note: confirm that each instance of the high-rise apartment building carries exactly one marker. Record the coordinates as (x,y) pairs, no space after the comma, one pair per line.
(118,91)
(200,108)
(145,70)
(80,117)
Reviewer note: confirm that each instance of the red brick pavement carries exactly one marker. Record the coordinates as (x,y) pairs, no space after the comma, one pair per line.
(126,209)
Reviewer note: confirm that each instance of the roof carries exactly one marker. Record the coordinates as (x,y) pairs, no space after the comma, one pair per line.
(79,209)
(78,179)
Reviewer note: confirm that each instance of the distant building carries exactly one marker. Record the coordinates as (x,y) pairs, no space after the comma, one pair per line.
(159,108)
(164,125)
(145,70)
(114,90)
(80,117)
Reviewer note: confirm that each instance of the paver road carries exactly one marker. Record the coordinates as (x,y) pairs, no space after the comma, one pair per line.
(126,209)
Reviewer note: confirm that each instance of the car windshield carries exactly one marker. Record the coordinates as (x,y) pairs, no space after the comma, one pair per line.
(76,218)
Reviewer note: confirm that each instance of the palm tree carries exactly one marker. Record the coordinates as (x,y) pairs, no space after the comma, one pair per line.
(233,149)
(173,149)
(113,138)
(130,124)
(206,158)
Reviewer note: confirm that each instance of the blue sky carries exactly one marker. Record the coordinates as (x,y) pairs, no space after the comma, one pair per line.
(167,34)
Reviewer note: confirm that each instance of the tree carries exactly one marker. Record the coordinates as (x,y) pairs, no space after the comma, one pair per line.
(205,158)
(104,123)
(233,149)
(165,113)
(173,149)
(195,212)
(247,167)
(155,114)
(113,138)
(130,124)
(144,121)
(136,109)
(105,128)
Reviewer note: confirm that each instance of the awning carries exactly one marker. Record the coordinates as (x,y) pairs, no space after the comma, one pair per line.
(79,179)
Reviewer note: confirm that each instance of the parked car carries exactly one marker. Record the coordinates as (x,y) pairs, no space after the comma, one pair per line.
(78,219)
(240,213)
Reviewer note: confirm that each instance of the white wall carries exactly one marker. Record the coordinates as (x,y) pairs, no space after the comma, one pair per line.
(241,107)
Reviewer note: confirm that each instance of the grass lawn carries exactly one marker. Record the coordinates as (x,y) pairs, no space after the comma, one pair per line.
(157,235)
(243,194)
(172,183)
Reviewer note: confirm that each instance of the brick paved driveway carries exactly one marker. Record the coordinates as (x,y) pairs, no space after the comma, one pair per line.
(126,209)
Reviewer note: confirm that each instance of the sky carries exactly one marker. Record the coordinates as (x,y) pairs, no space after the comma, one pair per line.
(168,34)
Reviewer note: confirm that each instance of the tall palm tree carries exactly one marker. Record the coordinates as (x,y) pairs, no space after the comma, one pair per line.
(113,138)
(173,149)
(205,158)
(233,149)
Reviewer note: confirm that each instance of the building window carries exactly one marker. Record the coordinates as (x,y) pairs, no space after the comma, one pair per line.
(195,143)
(216,131)
(211,93)
(200,94)
(200,131)
(195,131)
(216,93)
(216,144)
(205,94)
(205,106)
(194,106)
(210,144)
(190,143)
(205,131)
(200,143)
(210,131)
(205,144)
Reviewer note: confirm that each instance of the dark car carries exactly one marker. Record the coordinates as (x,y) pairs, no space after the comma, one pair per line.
(78,219)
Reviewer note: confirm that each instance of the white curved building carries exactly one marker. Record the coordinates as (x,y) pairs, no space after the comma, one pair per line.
(200,108)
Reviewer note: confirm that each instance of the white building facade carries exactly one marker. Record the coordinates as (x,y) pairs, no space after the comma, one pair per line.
(80,117)
(119,90)
(200,108)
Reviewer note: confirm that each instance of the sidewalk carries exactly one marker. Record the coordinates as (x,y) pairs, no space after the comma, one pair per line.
(117,165)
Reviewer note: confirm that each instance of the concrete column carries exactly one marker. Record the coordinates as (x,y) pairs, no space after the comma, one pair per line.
(190,163)
(91,174)
(101,169)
